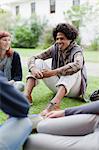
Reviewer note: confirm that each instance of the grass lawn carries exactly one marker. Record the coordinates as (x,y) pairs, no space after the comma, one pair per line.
(42,95)
(92,56)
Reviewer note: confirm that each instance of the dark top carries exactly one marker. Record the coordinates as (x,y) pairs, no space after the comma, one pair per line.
(91,108)
(16,71)
(12,101)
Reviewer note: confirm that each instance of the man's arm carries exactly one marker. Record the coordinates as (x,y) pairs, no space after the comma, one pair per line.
(72,67)
(91,108)
(12,101)
(68,69)
(44,55)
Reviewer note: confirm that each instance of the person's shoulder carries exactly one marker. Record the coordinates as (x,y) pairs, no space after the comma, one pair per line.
(76,45)
(77,48)
(53,47)
(16,54)
(50,47)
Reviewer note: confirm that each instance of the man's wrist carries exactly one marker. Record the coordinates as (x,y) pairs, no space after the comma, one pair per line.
(57,71)
(51,106)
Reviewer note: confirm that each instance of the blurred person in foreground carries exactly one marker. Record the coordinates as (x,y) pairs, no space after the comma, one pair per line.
(75,128)
(16,129)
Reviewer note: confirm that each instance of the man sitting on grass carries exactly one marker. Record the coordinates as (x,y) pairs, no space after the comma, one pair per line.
(65,75)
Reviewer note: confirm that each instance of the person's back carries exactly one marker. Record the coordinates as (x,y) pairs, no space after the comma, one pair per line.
(16,129)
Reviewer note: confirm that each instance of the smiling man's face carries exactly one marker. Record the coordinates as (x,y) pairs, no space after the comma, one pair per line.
(62,41)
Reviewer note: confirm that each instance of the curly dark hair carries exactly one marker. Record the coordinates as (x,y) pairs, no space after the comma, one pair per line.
(68,30)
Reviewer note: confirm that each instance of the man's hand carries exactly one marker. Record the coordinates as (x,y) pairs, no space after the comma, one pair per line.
(48,73)
(51,106)
(44,112)
(45,73)
(36,73)
(55,114)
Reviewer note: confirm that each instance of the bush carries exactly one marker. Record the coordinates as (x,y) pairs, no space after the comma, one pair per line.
(23,38)
(27,35)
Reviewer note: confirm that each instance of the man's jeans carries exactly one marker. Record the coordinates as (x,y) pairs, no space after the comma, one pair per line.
(14,132)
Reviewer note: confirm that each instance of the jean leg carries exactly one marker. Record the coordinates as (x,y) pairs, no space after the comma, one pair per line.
(14,132)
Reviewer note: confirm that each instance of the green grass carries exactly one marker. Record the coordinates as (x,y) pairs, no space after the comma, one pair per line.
(92,56)
(27,52)
(42,95)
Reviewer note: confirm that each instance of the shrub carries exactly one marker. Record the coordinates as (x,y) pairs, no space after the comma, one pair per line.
(23,38)
(27,35)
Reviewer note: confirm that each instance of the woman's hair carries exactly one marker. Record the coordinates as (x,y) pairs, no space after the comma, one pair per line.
(68,30)
(4,34)
(9,52)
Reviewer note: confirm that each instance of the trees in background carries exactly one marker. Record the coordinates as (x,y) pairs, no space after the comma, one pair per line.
(86,18)
(6,20)
(26,34)
(77,15)
(30,32)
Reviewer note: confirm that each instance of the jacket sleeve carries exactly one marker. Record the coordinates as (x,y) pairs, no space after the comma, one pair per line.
(44,55)
(16,71)
(91,108)
(12,101)
(72,67)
